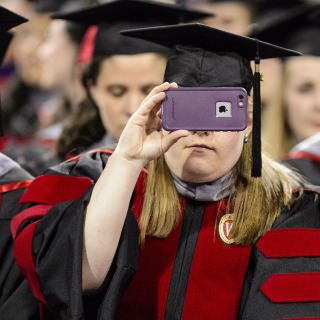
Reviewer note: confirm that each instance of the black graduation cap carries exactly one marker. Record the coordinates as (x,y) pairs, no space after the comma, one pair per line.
(274,6)
(206,56)
(5,38)
(116,15)
(298,29)
(9,19)
(43,6)
(249,3)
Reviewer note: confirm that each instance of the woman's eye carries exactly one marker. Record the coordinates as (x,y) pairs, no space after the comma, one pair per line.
(146,90)
(305,88)
(116,91)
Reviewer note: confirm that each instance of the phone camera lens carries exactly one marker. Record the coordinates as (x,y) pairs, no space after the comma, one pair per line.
(241,97)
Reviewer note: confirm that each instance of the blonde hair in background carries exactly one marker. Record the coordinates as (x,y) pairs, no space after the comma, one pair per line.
(277,139)
(256,202)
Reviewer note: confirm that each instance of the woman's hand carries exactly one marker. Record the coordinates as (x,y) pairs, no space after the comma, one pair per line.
(142,139)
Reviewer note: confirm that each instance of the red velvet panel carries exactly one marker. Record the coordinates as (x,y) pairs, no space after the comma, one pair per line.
(292,242)
(293,287)
(53,189)
(217,274)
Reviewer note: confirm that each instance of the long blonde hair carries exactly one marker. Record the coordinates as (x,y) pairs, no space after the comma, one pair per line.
(255,203)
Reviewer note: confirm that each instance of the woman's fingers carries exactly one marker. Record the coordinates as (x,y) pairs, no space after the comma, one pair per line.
(152,104)
(173,85)
(156,96)
(162,87)
(169,139)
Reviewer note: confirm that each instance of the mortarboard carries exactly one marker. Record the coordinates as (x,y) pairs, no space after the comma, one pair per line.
(5,38)
(43,6)
(254,4)
(113,16)
(296,29)
(205,56)
(274,6)
(9,19)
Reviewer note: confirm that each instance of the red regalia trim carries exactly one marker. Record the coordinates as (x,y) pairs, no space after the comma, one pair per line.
(291,242)
(292,287)
(24,260)
(87,46)
(303,155)
(53,189)
(3,142)
(30,213)
(14,185)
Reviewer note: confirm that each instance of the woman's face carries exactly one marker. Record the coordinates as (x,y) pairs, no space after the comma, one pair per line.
(122,84)
(231,16)
(302,95)
(58,57)
(205,156)
(25,45)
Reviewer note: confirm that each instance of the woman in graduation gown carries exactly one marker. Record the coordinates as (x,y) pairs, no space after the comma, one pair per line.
(16,299)
(15,292)
(219,238)
(295,121)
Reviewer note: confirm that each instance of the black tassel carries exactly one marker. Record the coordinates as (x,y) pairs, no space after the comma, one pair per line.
(256,130)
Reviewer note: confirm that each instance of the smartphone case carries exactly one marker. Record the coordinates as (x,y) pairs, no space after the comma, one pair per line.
(205,109)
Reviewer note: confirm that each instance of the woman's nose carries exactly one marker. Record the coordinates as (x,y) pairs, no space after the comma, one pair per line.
(133,103)
(201,133)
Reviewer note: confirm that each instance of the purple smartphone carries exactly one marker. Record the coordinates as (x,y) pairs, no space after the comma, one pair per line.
(205,109)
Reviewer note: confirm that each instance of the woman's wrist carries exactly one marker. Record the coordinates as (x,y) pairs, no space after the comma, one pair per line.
(125,162)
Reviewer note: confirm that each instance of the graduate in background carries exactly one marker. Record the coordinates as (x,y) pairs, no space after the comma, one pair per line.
(16,300)
(294,127)
(118,72)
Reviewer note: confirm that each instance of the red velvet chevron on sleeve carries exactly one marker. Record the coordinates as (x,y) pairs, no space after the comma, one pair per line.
(53,189)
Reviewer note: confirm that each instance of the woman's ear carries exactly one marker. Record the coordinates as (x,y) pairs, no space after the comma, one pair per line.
(248,130)
(90,88)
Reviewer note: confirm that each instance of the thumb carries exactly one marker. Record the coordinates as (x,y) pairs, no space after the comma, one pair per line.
(172,137)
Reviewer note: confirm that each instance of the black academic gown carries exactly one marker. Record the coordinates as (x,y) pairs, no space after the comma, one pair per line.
(305,159)
(278,278)
(16,299)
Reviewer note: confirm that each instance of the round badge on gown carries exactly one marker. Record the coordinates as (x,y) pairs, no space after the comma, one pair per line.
(225,226)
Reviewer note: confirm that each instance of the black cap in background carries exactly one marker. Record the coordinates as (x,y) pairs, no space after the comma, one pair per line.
(210,39)
(253,4)
(5,38)
(205,56)
(8,20)
(297,29)
(274,6)
(50,6)
(113,16)
(113,11)
(43,6)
